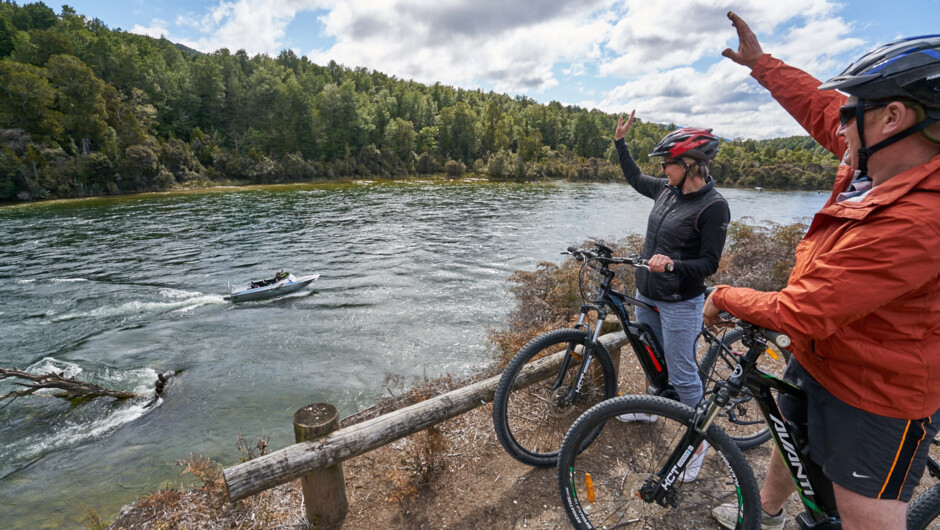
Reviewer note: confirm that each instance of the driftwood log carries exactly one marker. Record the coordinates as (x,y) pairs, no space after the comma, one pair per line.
(65,387)
(300,459)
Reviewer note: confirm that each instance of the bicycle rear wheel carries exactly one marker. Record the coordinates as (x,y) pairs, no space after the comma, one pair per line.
(741,419)
(531,420)
(599,486)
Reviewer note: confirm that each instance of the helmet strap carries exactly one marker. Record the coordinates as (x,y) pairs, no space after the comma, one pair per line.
(865,152)
(685,175)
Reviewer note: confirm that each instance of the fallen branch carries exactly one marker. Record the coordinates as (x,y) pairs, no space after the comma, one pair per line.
(69,387)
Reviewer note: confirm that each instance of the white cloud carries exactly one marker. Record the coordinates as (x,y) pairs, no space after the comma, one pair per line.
(663,58)
(675,74)
(656,35)
(511,46)
(257,26)
(156,29)
(723,98)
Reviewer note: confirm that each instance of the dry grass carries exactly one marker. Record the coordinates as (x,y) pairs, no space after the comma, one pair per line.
(205,505)
(420,465)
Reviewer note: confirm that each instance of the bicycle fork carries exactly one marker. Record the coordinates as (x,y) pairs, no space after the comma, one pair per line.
(659,488)
(585,359)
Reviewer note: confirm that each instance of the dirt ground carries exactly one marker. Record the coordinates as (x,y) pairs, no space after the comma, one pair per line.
(481,485)
(456,476)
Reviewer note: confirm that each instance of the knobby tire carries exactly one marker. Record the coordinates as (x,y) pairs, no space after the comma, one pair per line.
(626,455)
(924,510)
(529,422)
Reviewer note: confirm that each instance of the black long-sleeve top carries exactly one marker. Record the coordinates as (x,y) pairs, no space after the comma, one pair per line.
(689,228)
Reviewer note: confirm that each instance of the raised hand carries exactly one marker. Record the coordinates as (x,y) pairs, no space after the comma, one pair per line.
(749,50)
(623,127)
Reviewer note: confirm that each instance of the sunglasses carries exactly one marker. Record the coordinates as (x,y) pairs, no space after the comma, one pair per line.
(847,112)
(665,163)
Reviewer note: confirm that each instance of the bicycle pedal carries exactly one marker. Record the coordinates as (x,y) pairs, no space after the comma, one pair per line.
(804,522)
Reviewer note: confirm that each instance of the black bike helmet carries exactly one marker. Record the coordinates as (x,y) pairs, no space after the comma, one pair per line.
(904,69)
(908,68)
(699,144)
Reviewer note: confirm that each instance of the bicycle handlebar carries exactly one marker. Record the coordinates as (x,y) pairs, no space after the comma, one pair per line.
(636,261)
(781,340)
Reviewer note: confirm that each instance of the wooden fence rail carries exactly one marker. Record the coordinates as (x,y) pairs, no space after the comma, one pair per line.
(295,461)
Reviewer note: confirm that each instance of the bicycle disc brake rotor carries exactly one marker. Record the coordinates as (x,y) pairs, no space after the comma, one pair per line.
(559,407)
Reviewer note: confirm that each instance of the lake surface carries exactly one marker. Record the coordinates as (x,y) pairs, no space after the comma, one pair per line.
(115,290)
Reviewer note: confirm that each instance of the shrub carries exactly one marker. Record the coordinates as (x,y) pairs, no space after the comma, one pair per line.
(426,164)
(550,297)
(498,165)
(759,256)
(454,168)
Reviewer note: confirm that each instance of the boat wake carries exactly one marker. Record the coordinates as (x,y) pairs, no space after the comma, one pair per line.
(172,300)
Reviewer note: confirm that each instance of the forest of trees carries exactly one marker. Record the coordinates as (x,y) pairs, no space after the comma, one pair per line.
(86,110)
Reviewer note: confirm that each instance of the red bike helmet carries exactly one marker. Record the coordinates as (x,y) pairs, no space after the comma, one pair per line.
(699,144)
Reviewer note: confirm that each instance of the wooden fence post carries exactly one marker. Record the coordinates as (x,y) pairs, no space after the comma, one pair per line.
(324,489)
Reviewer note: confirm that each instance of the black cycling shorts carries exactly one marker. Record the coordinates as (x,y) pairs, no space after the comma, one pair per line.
(876,456)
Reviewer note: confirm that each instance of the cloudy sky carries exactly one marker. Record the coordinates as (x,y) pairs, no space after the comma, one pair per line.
(660,57)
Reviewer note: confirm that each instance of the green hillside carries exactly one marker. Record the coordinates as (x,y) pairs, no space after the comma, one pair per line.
(86,110)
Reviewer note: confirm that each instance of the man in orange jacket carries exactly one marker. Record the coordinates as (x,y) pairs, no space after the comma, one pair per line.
(862,304)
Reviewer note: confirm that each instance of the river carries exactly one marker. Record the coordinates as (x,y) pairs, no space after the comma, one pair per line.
(114,290)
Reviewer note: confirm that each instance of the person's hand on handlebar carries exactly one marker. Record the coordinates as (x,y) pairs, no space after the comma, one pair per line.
(660,263)
(711,312)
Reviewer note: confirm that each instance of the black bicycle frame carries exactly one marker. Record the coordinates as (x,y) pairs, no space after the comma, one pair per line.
(648,351)
(814,488)
(645,345)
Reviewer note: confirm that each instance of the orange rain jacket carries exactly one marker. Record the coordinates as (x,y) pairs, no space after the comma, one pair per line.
(862,304)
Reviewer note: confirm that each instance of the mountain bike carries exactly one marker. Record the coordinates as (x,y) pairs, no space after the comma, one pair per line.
(634,475)
(532,415)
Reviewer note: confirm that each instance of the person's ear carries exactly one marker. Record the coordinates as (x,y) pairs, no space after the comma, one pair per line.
(897,117)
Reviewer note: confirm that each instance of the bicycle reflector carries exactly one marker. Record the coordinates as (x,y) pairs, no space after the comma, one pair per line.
(773,353)
(589,486)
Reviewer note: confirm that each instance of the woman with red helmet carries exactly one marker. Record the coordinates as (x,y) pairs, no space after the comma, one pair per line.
(686,234)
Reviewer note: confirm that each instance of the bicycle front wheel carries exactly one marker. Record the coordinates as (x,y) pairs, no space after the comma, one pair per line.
(531,418)
(924,510)
(599,487)
(741,419)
